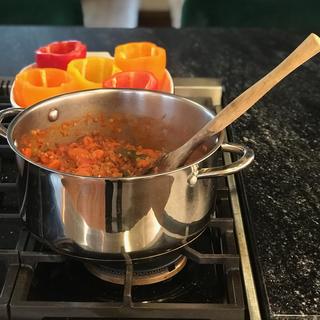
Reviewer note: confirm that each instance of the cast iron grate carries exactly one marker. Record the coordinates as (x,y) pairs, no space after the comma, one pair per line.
(9,265)
(207,288)
(5,88)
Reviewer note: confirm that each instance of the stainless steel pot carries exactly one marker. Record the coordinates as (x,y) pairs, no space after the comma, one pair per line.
(101,218)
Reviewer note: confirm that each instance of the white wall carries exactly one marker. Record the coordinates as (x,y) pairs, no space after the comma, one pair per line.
(124,13)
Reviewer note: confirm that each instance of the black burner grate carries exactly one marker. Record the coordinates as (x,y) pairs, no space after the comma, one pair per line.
(5,88)
(9,265)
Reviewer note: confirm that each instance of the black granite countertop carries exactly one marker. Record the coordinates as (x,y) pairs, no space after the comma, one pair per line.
(283,184)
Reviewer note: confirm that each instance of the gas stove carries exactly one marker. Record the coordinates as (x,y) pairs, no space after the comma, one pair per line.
(211,278)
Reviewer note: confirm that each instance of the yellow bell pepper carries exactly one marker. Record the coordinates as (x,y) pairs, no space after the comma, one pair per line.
(89,73)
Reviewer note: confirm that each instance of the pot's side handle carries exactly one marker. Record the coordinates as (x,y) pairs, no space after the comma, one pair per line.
(246,158)
(10,112)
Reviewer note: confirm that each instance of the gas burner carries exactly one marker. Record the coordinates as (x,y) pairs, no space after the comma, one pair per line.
(147,272)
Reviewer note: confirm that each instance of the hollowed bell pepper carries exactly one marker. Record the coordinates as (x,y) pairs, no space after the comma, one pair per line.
(89,73)
(36,84)
(59,54)
(132,79)
(141,56)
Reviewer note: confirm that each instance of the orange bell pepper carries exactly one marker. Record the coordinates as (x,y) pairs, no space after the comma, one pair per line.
(141,56)
(89,73)
(37,84)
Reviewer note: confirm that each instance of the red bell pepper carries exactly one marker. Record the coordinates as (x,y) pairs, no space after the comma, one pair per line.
(59,54)
(133,79)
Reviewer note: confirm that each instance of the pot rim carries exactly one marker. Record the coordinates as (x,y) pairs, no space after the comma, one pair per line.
(25,112)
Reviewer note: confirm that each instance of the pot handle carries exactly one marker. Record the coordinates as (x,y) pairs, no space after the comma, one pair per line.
(246,158)
(9,112)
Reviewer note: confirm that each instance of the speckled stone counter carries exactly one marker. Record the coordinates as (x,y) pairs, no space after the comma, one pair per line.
(283,184)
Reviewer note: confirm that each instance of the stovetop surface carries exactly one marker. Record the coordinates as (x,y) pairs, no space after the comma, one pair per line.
(69,280)
(37,283)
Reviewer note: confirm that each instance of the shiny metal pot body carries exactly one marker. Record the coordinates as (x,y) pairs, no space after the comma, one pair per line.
(101,218)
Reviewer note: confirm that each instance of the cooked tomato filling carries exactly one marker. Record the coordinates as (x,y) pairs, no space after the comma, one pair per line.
(91,155)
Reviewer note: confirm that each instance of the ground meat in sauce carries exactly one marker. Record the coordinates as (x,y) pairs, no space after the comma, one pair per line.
(91,155)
